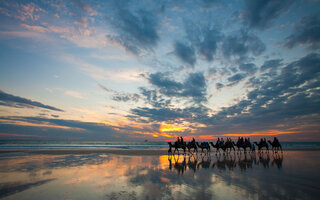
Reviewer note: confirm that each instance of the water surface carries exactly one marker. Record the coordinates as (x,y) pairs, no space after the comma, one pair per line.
(291,175)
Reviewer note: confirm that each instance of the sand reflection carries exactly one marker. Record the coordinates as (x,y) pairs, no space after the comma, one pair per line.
(103,176)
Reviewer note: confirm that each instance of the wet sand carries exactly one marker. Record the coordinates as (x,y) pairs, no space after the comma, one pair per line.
(152,174)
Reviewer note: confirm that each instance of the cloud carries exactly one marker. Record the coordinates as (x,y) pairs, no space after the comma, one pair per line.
(154,98)
(307,32)
(261,14)
(20,102)
(185,53)
(236,78)
(271,64)
(205,39)
(136,30)
(23,12)
(193,86)
(242,44)
(53,128)
(104,88)
(157,114)
(126,97)
(120,96)
(289,99)
(250,68)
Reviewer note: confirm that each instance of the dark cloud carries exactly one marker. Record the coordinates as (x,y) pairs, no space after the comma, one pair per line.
(51,128)
(283,100)
(236,78)
(271,64)
(250,68)
(219,86)
(153,98)
(118,96)
(242,44)
(193,114)
(20,102)
(126,97)
(137,30)
(185,53)
(194,86)
(205,39)
(261,14)
(158,114)
(307,32)
(288,99)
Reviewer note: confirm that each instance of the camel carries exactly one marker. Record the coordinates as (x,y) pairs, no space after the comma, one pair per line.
(243,145)
(204,145)
(261,145)
(176,147)
(217,146)
(276,146)
(192,145)
(229,145)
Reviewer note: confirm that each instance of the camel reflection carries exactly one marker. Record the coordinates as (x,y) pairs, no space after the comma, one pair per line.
(183,163)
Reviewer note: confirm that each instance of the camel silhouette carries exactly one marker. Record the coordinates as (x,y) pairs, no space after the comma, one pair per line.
(176,147)
(261,145)
(203,145)
(276,146)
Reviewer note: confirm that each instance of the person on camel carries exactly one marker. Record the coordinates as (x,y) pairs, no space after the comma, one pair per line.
(178,141)
(221,142)
(193,141)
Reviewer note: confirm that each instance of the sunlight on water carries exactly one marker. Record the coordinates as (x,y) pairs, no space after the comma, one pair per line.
(293,175)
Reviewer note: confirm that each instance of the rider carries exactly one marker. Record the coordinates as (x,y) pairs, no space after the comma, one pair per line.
(261,141)
(276,141)
(221,141)
(178,140)
(193,141)
(181,140)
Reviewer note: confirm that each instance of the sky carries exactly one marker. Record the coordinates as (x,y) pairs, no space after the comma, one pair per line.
(154,70)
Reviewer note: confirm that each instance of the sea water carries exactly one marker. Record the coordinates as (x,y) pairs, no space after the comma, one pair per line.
(45,144)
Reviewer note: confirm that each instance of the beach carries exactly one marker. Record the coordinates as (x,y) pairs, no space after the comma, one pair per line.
(153,174)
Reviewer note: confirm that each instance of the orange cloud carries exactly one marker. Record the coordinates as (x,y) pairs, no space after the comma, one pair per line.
(171,128)
(267,133)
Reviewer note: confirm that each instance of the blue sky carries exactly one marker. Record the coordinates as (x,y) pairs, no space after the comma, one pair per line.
(135,70)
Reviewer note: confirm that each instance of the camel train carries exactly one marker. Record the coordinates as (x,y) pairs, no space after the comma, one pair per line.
(221,146)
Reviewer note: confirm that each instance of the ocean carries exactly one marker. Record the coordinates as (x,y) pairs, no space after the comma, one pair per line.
(43,144)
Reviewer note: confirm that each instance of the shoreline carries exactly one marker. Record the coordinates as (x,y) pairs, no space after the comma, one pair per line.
(132,152)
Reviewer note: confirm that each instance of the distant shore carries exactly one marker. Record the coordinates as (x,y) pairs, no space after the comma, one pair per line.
(138,152)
